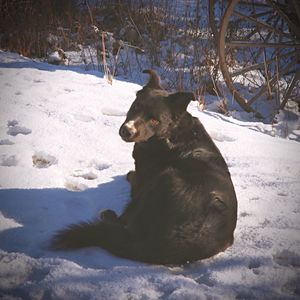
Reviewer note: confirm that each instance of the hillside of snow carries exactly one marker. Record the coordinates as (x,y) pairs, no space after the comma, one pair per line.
(62,161)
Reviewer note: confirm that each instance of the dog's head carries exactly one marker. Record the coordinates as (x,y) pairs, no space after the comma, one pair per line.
(154,111)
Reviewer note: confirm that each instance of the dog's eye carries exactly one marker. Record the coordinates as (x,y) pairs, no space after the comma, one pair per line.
(154,122)
(152,119)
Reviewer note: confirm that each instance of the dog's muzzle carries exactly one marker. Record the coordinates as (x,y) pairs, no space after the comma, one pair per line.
(128,131)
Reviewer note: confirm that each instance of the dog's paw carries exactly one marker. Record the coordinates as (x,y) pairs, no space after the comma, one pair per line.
(131,176)
(108,216)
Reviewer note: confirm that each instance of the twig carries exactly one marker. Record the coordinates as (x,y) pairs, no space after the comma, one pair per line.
(90,12)
(278,90)
(91,56)
(267,77)
(116,62)
(106,69)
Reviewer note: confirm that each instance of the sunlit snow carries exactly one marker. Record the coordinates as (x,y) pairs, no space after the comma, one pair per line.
(62,161)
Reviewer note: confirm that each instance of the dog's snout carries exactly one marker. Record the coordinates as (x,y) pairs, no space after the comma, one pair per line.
(124,132)
(127,131)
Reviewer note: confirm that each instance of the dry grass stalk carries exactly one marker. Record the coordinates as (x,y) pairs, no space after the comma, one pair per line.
(223,107)
(200,98)
(107,72)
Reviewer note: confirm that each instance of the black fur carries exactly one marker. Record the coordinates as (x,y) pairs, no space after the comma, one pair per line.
(183,205)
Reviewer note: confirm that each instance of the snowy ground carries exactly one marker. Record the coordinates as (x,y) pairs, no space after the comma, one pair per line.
(62,161)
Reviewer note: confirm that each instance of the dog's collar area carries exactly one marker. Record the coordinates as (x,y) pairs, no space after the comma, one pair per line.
(174,140)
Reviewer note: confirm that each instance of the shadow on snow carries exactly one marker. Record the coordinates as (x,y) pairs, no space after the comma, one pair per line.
(42,212)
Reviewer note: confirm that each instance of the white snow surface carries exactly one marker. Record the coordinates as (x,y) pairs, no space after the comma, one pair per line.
(62,161)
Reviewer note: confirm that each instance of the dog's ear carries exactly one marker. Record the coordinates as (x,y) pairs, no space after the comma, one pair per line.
(179,101)
(154,80)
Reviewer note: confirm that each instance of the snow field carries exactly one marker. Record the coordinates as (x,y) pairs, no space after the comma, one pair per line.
(62,161)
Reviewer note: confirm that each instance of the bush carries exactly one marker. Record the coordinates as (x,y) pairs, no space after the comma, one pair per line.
(171,36)
(26,26)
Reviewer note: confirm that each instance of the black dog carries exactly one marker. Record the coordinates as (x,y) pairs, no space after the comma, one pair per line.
(183,205)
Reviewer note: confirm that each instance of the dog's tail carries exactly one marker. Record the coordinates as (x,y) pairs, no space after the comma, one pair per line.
(112,237)
(89,234)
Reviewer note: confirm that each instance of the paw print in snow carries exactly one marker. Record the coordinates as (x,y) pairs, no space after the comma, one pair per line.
(43,160)
(14,129)
(8,161)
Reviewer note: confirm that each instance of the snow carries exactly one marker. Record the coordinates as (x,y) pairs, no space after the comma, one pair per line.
(62,161)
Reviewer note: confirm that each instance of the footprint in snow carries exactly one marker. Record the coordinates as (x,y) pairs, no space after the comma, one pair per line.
(43,160)
(244,214)
(14,129)
(205,279)
(68,90)
(75,186)
(83,118)
(254,199)
(85,175)
(8,161)
(74,181)
(12,123)
(254,265)
(292,286)
(282,194)
(217,136)
(98,165)
(38,81)
(6,142)
(287,258)
(112,112)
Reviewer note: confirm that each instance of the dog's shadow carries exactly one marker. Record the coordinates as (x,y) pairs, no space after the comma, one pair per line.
(33,216)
